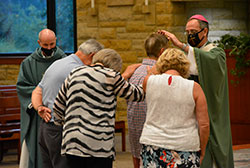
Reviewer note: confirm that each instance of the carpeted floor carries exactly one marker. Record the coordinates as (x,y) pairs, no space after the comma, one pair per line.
(124,159)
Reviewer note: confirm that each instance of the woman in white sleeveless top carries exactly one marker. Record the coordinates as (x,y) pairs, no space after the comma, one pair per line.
(176,130)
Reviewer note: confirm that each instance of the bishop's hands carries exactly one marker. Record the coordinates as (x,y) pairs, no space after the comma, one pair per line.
(171,37)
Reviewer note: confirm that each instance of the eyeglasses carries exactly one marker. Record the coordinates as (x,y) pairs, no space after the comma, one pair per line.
(193,32)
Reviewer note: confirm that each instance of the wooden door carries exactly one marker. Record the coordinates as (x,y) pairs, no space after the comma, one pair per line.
(239,99)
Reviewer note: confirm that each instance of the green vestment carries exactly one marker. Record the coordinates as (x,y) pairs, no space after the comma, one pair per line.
(31,71)
(212,70)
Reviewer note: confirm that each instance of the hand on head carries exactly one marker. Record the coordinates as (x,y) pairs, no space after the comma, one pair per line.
(171,37)
(163,32)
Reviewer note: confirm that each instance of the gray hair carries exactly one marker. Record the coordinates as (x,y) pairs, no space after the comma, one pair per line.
(90,46)
(109,58)
(204,25)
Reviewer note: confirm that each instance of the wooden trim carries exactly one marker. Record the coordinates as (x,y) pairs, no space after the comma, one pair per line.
(119,3)
(12,60)
(120,127)
(235,0)
(240,122)
(191,0)
(238,147)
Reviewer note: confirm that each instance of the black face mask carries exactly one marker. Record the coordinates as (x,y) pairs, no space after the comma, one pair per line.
(194,40)
(48,52)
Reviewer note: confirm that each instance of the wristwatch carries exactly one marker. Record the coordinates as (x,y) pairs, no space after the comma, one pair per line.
(184,46)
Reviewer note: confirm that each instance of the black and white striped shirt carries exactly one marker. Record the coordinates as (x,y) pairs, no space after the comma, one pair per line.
(86,105)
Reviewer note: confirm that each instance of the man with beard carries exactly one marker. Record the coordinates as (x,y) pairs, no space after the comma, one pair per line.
(208,67)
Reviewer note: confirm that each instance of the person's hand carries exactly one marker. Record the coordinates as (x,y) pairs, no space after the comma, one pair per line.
(152,71)
(44,113)
(130,70)
(171,37)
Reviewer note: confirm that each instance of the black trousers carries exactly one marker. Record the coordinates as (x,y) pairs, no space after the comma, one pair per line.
(89,162)
(194,77)
(50,139)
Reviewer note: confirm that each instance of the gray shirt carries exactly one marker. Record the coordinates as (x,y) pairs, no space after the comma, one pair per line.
(55,76)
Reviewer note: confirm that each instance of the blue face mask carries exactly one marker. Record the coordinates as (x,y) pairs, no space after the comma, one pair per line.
(48,52)
(194,40)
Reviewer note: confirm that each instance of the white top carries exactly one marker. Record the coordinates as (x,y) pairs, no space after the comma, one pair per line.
(191,57)
(171,121)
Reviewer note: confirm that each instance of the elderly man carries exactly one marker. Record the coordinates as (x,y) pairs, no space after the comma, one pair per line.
(208,66)
(31,71)
(43,100)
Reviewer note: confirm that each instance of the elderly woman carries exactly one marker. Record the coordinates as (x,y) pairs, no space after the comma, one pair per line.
(176,130)
(86,105)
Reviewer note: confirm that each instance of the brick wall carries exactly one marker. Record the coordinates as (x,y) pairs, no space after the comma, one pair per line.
(8,74)
(124,25)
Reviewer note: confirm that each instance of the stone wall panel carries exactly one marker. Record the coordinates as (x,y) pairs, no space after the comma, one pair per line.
(135,26)
(139,35)
(119,45)
(107,33)
(129,56)
(114,13)
(112,24)
(165,20)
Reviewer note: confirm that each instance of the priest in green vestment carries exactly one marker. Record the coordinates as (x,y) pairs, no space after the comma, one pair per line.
(31,71)
(208,67)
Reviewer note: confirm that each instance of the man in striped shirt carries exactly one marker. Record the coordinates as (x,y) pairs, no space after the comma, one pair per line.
(86,105)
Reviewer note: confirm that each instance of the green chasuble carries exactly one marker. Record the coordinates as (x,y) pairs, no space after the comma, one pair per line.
(31,71)
(212,70)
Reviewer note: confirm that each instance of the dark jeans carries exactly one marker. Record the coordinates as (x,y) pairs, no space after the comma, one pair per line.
(50,139)
(89,162)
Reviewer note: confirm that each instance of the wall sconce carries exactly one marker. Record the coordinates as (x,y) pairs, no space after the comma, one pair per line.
(93,11)
(145,7)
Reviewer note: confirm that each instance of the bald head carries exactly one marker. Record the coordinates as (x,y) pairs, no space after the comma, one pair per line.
(47,39)
(45,34)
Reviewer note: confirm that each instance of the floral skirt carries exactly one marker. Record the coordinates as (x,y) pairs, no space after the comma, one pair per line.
(156,157)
